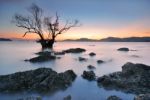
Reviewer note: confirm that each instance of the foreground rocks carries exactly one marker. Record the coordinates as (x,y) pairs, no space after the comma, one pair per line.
(134,78)
(123,49)
(143,97)
(89,75)
(39,80)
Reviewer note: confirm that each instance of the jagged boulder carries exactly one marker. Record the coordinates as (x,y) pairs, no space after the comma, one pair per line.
(143,97)
(134,78)
(89,75)
(39,80)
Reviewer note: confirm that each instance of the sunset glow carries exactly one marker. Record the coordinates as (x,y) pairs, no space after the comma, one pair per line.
(121,19)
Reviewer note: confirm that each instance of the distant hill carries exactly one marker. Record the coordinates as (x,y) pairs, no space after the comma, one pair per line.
(113,39)
(81,40)
(5,39)
(129,39)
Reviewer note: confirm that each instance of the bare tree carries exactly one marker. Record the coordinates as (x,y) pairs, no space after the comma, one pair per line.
(34,24)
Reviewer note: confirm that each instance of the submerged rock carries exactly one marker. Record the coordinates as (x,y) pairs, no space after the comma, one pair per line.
(59,53)
(134,78)
(31,98)
(39,80)
(113,97)
(143,97)
(82,59)
(92,54)
(100,61)
(44,53)
(67,97)
(42,58)
(89,75)
(123,49)
(91,67)
(74,50)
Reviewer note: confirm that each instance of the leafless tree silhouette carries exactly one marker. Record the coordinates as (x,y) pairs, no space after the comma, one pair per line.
(35,22)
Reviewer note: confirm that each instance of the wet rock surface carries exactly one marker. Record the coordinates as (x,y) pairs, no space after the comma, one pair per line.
(42,58)
(134,78)
(92,54)
(123,49)
(89,75)
(82,59)
(67,97)
(74,50)
(91,67)
(100,61)
(143,97)
(113,97)
(39,80)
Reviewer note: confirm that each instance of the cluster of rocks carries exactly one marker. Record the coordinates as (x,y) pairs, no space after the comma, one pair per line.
(39,80)
(134,78)
(48,56)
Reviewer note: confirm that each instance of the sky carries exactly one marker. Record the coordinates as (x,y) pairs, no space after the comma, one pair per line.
(99,18)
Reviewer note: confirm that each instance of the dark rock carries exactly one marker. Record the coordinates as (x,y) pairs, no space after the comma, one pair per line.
(82,59)
(123,49)
(5,39)
(74,50)
(143,97)
(90,67)
(92,54)
(43,53)
(59,53)
(31,98)
(89,75)
(39,80)
(113,97)
(134,78)
(100,61)
(67,97)
(42,58)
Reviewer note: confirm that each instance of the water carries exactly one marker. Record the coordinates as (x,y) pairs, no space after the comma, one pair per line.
(13,54)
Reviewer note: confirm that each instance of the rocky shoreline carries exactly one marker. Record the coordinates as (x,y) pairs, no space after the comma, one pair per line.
(134,78)
(38,80)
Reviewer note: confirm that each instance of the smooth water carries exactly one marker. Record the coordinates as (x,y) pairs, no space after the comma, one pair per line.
(13,54)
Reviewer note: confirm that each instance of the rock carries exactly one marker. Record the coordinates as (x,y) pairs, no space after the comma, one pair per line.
(143,97)
(89,75)
(113,97)
(123,49)
(92,54)
(31,98)
(39,80)
(67,97)
(82,59)
(43,53)
(42,58)
(59,53)
(74,50)
(100,61)
(91,67)
(134,78)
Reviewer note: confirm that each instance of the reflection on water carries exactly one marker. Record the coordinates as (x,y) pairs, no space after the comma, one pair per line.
(12,55)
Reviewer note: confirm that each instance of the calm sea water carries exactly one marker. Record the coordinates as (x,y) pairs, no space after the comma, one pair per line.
(13,54)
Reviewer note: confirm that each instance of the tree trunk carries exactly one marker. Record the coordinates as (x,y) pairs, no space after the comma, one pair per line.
(47,43)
